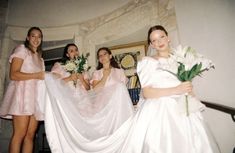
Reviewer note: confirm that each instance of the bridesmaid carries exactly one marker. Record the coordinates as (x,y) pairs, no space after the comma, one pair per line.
(82,80)
(108,71)
(20,99)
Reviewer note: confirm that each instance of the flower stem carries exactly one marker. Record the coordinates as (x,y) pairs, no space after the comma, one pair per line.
(75,83)
(187,109)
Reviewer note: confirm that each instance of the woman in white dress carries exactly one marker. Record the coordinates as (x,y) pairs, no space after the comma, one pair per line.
(161,124)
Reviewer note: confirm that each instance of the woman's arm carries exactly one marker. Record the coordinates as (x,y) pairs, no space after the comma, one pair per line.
(185,87)
(101,83)
(72,77)
(17,75)
(59,72)
(85,82)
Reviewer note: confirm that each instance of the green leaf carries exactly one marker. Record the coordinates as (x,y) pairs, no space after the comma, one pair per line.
(199,68)
(186,76)
(193,72)
(181,69)
(180,78)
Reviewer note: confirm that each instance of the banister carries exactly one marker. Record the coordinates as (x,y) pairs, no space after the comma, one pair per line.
(222,108)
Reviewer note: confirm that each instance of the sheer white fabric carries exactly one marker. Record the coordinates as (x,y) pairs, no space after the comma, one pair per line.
(81,122)
(101,122)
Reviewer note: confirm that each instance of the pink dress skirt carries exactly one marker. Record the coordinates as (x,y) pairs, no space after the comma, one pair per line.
(21,97)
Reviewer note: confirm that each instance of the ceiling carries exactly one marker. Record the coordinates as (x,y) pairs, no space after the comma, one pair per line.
(51,13)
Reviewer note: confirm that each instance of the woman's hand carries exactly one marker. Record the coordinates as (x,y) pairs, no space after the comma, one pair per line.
(85,82)
(101,83)
(73,77)
(80,76)
(185,87)
(40,75)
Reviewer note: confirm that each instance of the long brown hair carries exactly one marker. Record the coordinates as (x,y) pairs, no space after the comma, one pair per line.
(26,43)
(113,63)
(65,57)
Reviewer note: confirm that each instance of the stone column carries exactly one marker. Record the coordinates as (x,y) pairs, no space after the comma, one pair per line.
(5,125)
(6,48)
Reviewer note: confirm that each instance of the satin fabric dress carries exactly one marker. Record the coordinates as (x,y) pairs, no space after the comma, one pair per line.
(21,97)
(160,125)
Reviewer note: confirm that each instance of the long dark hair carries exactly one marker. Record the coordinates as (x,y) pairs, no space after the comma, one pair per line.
(113,63)
(65,57)
(26,43)
(153,28)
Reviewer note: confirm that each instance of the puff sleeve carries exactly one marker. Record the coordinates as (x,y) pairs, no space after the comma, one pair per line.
(145,68)
(20,52)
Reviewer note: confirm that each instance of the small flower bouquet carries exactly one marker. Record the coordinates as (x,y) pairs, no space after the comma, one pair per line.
(190,64)
(77,65)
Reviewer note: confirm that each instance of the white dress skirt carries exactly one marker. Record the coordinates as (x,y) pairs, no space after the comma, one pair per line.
(104,122)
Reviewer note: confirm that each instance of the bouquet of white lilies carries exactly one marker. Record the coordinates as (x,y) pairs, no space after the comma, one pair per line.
(190,64)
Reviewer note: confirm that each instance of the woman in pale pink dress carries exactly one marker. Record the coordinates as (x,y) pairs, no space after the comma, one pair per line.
(76,80)
(108,71)
(20,101)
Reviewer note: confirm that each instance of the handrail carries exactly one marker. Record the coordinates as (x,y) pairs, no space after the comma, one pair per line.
(222,108)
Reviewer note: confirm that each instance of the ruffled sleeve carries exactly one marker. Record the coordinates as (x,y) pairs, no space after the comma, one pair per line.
(57,68)
(19,52)
(145,68)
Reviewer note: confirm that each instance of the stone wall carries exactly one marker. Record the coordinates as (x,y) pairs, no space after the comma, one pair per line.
(5,126)
(127,20)
(3,13)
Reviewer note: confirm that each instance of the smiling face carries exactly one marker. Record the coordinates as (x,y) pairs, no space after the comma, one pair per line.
(72,52)
(34,39)
(159,40)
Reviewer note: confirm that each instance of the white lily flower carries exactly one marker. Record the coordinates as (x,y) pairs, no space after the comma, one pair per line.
(187,58)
